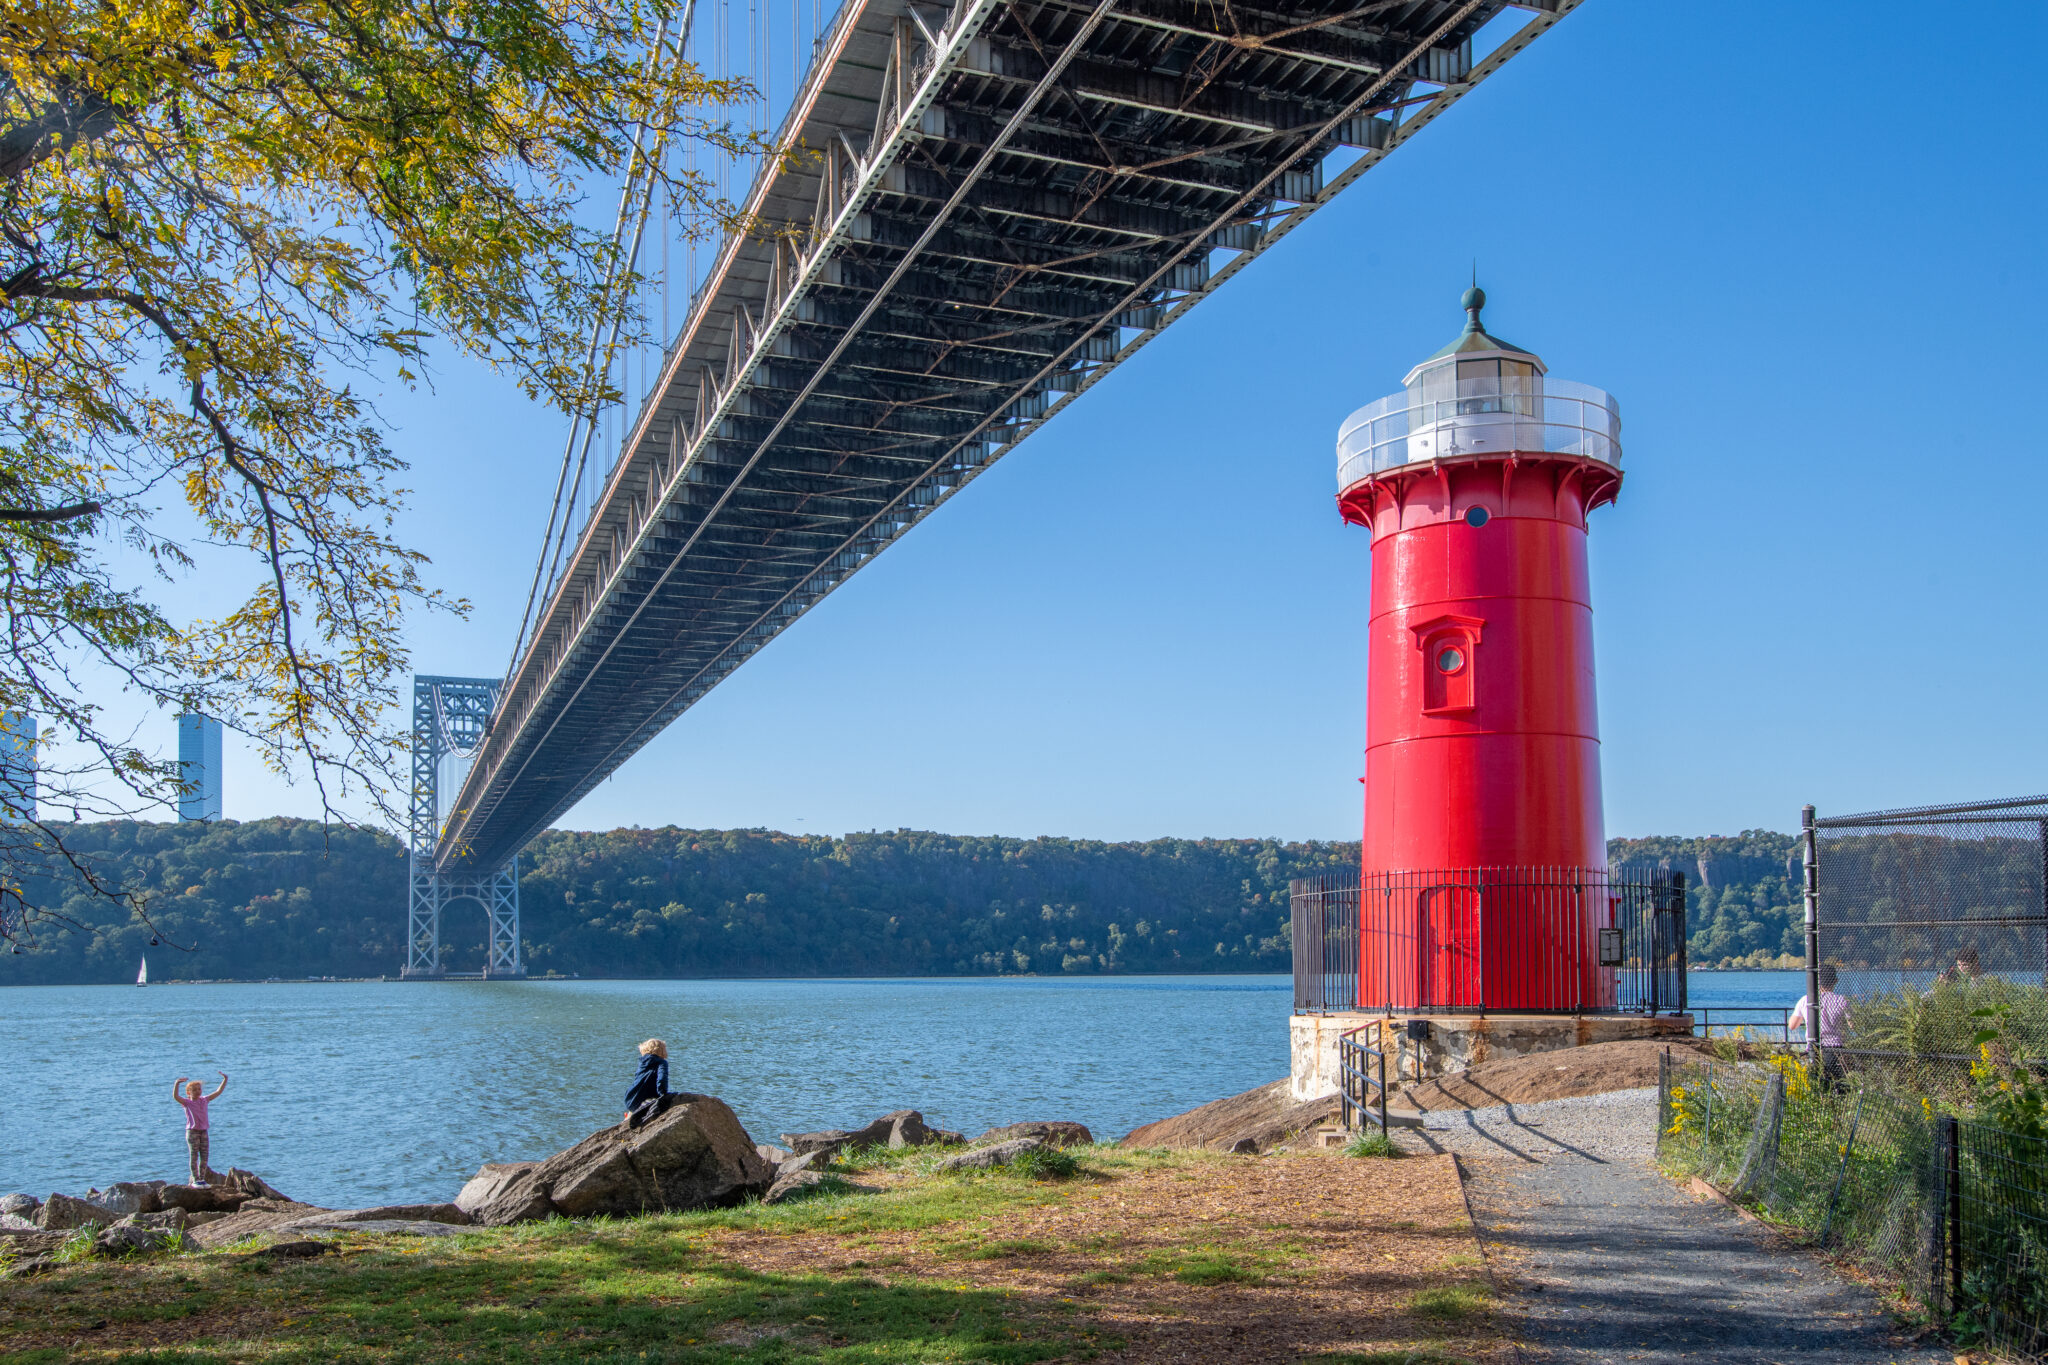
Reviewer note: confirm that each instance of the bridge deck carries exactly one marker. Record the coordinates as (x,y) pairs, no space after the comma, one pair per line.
(1009,198)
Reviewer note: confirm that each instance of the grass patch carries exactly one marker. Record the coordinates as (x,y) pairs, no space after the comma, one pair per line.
(997,1251)
(1372,1143)
(1208,1265)
(1099,1277)
(1449,1302)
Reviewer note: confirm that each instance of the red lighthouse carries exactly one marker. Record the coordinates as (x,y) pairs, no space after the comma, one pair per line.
(1483,876)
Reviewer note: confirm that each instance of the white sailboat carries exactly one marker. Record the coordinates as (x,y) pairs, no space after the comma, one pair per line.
(142,977)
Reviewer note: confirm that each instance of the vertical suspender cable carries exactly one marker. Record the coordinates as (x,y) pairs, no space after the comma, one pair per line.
(560,517)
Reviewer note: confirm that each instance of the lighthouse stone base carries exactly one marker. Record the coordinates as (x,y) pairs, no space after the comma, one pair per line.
(1456,1041)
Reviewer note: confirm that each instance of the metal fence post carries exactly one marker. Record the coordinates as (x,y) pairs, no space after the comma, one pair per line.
(1382,1055)
(1812,860)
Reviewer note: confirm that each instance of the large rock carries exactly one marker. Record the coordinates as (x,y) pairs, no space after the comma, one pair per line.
(128,1237)
(992,1156)
(696,1155)
(201,1198)
(14,1222)
(901,1128)
(20,1205)
(491,1179)
(61,1211)
(131,1196)
(1056,1132)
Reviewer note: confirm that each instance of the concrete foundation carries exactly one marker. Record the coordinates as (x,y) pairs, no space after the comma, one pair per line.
(1456,1041)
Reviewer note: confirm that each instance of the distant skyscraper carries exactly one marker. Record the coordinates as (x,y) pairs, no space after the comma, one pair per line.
(17,766)
(199,767)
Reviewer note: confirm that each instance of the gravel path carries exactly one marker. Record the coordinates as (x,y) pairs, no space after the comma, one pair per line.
(1604,1259)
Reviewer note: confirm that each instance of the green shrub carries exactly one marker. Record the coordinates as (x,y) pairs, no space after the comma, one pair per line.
(1045,1163)
(1372,1143)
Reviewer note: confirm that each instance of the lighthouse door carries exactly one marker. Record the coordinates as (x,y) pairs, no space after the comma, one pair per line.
(1448,930)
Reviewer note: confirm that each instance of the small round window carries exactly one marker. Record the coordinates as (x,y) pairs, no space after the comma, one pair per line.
(1450,659)
(1477,516)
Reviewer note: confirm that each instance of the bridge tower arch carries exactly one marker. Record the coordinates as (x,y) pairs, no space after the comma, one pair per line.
(449,717)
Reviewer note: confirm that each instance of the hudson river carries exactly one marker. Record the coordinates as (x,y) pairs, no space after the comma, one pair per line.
(351,1094)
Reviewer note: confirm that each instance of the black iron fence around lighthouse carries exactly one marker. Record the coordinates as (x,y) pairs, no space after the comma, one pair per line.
(1470,940)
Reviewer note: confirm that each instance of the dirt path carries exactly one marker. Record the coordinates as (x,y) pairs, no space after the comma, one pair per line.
(1604,1259)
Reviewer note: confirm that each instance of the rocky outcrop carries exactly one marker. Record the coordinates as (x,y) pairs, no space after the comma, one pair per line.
(254,1216)
(1055,1132)
(989,1157)
(902,1128)
(20,1205)
(694,1156)
(385,1227)
(405,1213)
(1256,1121)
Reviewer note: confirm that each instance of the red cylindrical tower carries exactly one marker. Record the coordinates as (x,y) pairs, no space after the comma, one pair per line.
(1484,858)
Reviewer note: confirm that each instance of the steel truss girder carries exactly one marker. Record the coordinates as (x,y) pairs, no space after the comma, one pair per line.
(661,602)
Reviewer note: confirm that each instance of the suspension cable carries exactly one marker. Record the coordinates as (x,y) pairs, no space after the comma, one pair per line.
(640,175)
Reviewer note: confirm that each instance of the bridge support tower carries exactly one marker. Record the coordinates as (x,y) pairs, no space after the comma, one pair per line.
(449,716)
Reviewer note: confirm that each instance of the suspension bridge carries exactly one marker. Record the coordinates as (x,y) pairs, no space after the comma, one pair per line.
(998,203)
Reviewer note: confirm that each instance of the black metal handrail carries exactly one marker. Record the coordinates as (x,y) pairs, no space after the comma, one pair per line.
(1361,1074)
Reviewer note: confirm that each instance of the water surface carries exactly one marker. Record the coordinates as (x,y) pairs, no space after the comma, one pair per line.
(357,1093)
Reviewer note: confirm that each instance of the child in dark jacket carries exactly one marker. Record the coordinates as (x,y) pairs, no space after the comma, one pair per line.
(650,1084)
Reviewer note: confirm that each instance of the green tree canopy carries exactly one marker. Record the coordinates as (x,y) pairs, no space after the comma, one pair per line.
(220,221)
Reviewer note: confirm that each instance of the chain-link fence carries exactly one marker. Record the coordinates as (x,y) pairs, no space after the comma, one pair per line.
(1927,917)
(1950,1210)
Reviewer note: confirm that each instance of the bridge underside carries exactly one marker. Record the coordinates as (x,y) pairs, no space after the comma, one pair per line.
(1008,199)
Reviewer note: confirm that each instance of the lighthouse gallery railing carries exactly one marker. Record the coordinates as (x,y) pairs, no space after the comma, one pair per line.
(1485,417)
(1470,940)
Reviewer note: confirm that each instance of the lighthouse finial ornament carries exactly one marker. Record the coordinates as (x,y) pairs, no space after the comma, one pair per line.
(1474,299)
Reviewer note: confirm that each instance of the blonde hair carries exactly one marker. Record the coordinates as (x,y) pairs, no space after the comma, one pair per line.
(655,1046)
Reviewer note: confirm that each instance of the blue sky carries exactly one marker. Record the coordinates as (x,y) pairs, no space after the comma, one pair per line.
(1815,298)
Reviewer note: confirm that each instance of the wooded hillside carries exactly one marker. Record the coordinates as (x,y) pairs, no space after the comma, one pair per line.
(287,898)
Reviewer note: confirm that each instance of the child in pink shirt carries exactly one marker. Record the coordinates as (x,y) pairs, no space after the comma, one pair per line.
(196,1130)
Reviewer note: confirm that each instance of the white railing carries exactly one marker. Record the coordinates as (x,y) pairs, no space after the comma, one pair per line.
(1486,417)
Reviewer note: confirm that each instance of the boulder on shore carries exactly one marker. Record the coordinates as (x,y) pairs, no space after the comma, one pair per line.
(491,1179)
(693,1156)
(130,1196)
(62,1211)
(20,1205)
(1056,1132)
(989,1157)
(898,1129)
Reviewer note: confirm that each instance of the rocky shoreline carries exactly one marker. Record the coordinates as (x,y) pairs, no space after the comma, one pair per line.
(692,1154)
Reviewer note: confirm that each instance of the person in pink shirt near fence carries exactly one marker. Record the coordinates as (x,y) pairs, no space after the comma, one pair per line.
(196,1126)
(1834,1024)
